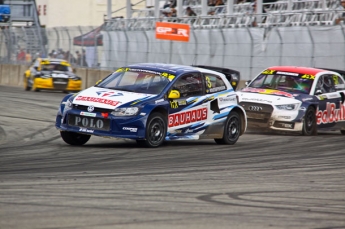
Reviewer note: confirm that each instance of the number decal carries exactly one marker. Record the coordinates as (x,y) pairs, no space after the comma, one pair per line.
(307,76)
(335,79)
(268,72)
(208,82)
(167,75)
(122,70)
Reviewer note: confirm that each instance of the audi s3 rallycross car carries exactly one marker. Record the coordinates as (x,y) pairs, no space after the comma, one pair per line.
(151,103)
(51,74)
(298,99)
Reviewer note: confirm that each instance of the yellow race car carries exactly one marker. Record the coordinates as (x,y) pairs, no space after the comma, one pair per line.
(51,74)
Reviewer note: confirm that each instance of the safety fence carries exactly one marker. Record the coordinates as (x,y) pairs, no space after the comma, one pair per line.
(245,48)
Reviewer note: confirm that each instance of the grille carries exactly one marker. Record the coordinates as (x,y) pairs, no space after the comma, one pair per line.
(261,115)
(96,109)
(60,83)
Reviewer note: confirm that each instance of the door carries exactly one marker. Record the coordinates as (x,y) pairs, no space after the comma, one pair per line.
(330,92)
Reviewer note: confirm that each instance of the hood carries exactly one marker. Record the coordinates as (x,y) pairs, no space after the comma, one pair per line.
(267,96)
(107,98)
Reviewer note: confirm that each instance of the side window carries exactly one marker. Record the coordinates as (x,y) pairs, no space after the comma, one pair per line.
(214,83)
(189,85)
(326,84)
(338,83)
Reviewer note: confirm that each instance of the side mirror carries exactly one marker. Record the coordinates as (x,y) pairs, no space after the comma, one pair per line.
(98,82)
(318,92)
(174,94)
(247,82)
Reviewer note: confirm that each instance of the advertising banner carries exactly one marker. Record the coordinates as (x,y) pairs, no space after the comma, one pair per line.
(172,31)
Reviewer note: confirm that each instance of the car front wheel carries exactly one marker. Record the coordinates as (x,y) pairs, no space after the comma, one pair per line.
(309,122)
(156,129)
(232,129)
(74,138)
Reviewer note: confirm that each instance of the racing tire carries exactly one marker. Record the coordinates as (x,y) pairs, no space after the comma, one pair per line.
(309,122)
(156,130)
(342,132)
(232,130)
(26,84)
(74,138)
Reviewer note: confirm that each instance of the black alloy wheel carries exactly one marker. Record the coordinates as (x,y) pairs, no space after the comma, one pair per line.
(232,129)
(73,138)
(156,129)
(309,122)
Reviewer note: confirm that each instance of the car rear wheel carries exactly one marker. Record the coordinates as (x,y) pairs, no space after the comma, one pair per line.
(156,129)
(309,122)
(74,138)
(232,129)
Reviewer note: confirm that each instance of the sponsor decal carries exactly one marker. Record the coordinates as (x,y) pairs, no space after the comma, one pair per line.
(131,129)
(268,91)
(215,89)
(174,104)
(288,73)
(331,114)
(268,72)
(187,117)
(82,129)
(97,100)
(306,99)
(93,123)
(172,31)
(257,100)
(159,101)
(87,114)
(285,117)
(322,97)
(182,102)
(227,99)
(108,93)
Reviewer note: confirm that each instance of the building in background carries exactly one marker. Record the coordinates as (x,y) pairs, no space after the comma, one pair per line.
(57,13)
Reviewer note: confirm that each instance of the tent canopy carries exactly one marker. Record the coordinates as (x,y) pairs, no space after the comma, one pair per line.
(92,38)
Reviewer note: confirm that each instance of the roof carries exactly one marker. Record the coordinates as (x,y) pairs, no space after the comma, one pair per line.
(53,59)
(161,67)
(295,69)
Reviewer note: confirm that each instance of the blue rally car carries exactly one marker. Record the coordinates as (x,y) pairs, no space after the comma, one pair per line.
(151,103)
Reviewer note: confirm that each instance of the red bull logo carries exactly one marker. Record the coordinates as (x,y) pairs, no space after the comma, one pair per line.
(331,114)
(187,117)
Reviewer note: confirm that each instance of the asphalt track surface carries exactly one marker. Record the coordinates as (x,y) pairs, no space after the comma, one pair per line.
(263,181)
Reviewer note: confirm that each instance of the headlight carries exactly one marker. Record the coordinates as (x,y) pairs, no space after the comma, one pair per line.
(69,103)
(125,111)
(288,107)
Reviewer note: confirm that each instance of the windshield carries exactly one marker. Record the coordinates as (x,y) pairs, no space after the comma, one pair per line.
(284,81)
(55,67)
(135,80)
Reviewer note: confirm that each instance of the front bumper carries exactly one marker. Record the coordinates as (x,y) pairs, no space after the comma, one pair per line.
(58,84)
(269,117)
(120,127)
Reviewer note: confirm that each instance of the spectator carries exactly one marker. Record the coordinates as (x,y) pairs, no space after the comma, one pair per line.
(190,12)
(79,59)
(170,4)
(21,55)
(84,63)
(211,3)
(28,57)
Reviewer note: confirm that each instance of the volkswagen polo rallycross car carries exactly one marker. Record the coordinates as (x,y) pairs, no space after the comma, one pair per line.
(51,74)
(151,103)
(298,99)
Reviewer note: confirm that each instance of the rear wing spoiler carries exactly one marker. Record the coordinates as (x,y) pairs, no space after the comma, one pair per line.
(341,72)
(232,76)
